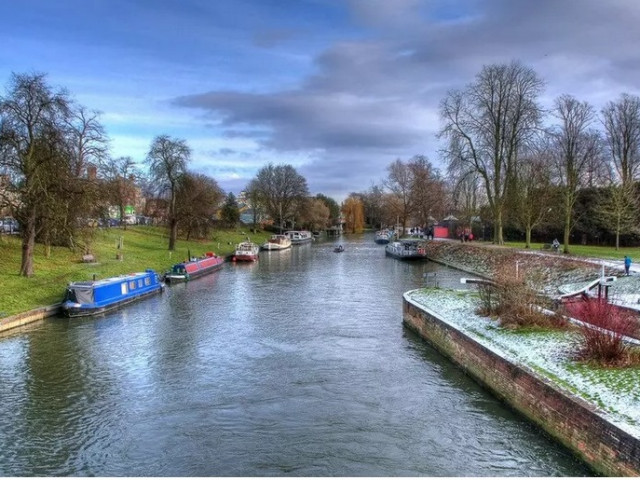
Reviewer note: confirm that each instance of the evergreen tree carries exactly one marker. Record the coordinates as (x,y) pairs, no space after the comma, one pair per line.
(230,213)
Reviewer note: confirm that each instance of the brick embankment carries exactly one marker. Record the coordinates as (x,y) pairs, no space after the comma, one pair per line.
(608,449)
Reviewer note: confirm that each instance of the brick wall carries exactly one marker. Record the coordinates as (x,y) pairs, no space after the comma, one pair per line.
(573,422)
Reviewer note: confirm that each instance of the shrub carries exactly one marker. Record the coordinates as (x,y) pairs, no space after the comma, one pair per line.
(601,338)
(516,302)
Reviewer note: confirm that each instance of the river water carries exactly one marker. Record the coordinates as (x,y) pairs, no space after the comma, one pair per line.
(297,365)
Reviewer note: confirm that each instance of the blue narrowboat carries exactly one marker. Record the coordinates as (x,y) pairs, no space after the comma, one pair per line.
(99,296)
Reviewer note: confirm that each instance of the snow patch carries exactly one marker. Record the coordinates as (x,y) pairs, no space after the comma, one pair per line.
(614,393)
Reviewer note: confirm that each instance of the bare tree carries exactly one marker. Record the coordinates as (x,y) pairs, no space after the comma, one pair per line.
(488,125)
(121,175)
(400,182)
(29,111)
(533,192)
(167,160)
(255,202)
(373,200)
(88,140)
(617,209)
(428,194)
(281,189)
(621,122)
(466,193)
(575,146)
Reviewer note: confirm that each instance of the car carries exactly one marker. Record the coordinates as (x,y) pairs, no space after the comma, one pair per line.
(9,225)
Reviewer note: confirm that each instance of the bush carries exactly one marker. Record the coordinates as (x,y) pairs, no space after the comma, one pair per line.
(601,338)
(516,302)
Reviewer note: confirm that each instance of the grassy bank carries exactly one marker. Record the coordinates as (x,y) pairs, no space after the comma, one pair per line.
(609,253)
(142,247)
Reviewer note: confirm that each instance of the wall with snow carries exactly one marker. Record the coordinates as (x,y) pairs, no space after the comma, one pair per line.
(608,449)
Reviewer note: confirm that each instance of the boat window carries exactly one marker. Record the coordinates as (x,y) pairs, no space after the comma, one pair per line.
(140,283)
(132,285)
(123,288)
(147,281)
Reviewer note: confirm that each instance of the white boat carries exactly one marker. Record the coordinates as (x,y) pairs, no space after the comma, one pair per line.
(246,252)
(406,250)
(277,242)
(299,236)
(384,236)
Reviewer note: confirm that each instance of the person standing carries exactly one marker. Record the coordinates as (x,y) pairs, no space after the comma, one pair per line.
(627,264)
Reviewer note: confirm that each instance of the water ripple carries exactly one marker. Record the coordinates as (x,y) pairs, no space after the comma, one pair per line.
(295,366)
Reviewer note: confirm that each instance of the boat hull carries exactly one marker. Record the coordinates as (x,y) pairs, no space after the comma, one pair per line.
(72,311)
(406,250)
(246,252)
(400,256)
(299,237)
(99,296)
(245,257)
(275,246)
(195,270)
(277,242)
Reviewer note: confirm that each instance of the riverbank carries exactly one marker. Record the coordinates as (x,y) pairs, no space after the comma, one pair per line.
(593,412)
(553,273)
(115,252)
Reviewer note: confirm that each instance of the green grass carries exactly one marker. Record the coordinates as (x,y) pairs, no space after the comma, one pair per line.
(609,253)
(143,247)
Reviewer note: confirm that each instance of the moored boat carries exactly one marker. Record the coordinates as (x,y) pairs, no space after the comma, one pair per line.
(246,252)
(384,236)
(406,250)
(194,268)
(99,296)
(277,242)
(299,236)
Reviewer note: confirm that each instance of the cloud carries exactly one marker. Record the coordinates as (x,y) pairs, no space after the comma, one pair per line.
(373,97)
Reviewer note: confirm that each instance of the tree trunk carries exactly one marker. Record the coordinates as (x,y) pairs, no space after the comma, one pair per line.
(528,237)
(28,245)
(123,224)
(498,237)
(173,220)
(173,233)
(567,230)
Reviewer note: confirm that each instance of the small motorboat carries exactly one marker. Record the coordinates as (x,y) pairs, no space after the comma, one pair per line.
(246,252)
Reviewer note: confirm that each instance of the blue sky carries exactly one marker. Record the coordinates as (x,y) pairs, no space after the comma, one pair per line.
(337,88)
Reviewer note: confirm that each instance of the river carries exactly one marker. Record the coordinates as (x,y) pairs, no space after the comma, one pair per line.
(297,365)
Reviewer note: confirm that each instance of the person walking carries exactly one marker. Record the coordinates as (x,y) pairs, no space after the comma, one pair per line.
(627,264)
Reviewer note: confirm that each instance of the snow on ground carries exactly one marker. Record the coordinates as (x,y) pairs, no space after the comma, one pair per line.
(559,273)
(614,392)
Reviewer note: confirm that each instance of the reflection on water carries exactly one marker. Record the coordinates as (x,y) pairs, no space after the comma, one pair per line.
(296,365)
